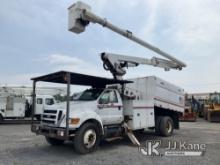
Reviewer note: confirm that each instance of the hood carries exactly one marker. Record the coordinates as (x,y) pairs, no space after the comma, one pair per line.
(75,105)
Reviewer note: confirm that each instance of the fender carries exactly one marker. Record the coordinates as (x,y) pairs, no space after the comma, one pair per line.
(84,116)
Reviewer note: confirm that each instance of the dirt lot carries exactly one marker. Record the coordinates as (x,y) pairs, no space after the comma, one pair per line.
(18,146)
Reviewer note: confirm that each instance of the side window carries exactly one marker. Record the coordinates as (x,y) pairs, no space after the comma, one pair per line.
(105,98)
(39,101)
(108,97)
(49,101)
(113,98)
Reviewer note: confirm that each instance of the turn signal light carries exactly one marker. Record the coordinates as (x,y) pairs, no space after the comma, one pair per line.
(74,120)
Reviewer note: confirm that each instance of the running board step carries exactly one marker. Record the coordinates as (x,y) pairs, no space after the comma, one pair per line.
(113,138)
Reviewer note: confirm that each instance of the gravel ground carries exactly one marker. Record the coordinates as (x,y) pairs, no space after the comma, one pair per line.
(18,146)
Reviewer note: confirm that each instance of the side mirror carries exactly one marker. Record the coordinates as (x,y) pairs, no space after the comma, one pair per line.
(100,106)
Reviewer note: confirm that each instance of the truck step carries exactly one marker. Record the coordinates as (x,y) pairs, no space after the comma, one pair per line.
(113,138)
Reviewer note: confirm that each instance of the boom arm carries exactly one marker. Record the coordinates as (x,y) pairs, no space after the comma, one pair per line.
(116,64)
(80,16)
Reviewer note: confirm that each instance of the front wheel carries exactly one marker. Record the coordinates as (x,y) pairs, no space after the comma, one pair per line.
(87,138)
(38,117)
(1,118)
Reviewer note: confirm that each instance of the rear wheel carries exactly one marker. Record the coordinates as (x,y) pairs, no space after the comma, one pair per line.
(164,126)
(54,142)
(87,138)
(157,125)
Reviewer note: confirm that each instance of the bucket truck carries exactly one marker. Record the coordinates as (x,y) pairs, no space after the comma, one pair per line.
(17,108)
(111,108)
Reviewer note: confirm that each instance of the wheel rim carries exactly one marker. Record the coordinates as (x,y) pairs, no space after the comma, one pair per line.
(89,138)
(169,127)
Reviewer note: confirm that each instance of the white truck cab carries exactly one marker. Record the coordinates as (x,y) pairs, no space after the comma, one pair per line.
(104,105)
(42,101)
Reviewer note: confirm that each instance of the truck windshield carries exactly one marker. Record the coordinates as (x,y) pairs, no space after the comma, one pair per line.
(90,94)
(49,101)
(215,98)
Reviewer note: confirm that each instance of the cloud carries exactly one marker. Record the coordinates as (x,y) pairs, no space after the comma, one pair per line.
(199,23)
(193,25)
(18,79)
(148,30)
(75,64)
(59,59)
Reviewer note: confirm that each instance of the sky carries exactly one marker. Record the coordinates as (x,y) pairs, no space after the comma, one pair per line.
(34,39)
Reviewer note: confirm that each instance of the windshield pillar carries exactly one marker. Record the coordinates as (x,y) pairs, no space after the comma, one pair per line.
(67,103)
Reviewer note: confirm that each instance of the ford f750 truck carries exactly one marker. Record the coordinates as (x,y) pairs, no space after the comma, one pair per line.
(110,109)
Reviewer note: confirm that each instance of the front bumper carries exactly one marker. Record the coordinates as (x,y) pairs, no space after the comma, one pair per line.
(53,132)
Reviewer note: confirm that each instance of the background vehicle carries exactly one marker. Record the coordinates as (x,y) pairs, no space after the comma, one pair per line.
(18,108)
(192,108)
(42,101)
(12,107)
(212,109)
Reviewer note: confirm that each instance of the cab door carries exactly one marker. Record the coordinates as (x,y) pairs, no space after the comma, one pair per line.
(110,107)
(9,111)
(39,106)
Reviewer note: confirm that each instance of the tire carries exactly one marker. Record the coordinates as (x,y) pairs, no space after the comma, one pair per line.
(166,126)
(87,133)
(28,113)
(54,142)
(38,117)
(1,118)
(157,125)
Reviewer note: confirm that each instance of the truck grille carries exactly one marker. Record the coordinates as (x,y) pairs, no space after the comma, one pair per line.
(51,117)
